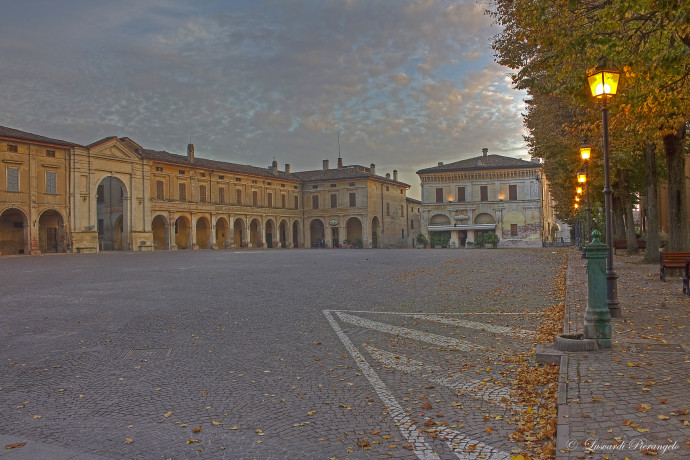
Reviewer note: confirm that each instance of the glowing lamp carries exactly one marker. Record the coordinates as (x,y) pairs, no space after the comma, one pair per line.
(603,82)
(581,177)
(577,205)
(579,190)
(585,150)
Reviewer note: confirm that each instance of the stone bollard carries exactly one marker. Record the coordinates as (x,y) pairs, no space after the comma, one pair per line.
(597,316)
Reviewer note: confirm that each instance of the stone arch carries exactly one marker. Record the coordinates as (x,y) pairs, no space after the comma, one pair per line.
(317,234)
(354,229)
(14,232)
(282,233)
(51,231)
(269,227)
(239,232)
(375,232)
(183,234)
(111,211)
(295,234)
(439,219)
(203,232)
(222,232)
(161,233)
(484,218)
(255,233)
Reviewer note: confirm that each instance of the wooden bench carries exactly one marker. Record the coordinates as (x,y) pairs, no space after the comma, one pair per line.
(623,244)
(672,260)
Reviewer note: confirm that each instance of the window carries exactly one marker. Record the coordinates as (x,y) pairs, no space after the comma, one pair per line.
(484,192)
(314,187)
(255,198)
(221,195)
(353,200)
(269,199)
(160,190)
(513,229)
(283,201)
(439,195)
(50,153)
(268,183)
(387,188)
(202,174)
(253,182)
(238,196)
(181,171)
(402,235)
(315,201)
(412,224)
(282,185)
(388,209)
(12,148)
(401,191)
(402,211)
(352,184)
(177,230)
(51,182)
(334,200)
(183,192)
(12,179)
(100,194)
(334,185)
(202,194)
(221,177)
(159,169)
(101,226)
(461,195)
(296,202)
(237,179)
(512,192)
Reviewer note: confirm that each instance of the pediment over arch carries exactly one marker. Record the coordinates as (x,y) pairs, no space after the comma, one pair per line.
(112,147)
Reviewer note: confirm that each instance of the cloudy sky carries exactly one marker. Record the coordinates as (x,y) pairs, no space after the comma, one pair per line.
(406,83)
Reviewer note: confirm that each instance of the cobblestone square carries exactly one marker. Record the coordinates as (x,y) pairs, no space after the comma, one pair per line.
(266,353)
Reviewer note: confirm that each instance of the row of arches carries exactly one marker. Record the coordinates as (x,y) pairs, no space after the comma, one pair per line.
(482,218)
(16,233)
(181,234)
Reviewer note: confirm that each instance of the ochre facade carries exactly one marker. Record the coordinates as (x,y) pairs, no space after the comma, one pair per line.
(57,196)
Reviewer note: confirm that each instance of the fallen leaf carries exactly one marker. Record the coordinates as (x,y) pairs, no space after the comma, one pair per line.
(129,440)
(192,441)
(167,414)
(197,429)
(235,427)
(16,445)
(213,422)
(663,417)
(36,417)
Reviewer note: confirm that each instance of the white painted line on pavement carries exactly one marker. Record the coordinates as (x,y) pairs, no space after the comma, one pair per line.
(404,423)
(455,380)
(439,340)
(473,324)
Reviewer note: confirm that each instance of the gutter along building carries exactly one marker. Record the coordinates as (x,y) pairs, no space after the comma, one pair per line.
(113,194)
(508,196)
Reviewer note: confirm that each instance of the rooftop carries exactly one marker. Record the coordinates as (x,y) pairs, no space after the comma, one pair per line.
(28,137)
(481,162)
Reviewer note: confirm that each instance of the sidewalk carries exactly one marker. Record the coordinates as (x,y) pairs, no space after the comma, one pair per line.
(633,400)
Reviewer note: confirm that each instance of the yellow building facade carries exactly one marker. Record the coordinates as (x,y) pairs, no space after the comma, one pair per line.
(114,194)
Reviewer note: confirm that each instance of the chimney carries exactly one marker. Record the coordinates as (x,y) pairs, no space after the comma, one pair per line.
(325,165)
(274,168)
(536,160)
(388,175)
(485,152)
(190,153)
(395,175)
(440,163)
(372,169)
(340,162)
(287,168)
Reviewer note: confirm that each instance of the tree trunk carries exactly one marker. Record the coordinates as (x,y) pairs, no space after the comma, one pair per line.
(626,205)
(678,238)
(652,221)
(618,222)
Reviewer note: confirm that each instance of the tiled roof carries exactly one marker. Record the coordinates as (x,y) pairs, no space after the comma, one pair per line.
(28,137)
(157,155)
(482,162)
(105,139)
(347,172)
(412,200)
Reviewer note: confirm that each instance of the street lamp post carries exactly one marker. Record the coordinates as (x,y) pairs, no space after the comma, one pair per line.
(585,150)
(603,84)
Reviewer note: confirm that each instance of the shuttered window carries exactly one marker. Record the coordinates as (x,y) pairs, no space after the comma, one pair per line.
(484,192)
(439,195)
(512,192)
(202,193)
(221,195)
(51,182)
(183,192)
(160,194)
(353,200)
(461,195)
(12,179)
(315,201)
(334,200)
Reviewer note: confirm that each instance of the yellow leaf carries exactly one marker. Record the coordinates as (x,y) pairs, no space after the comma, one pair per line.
(167,414)
(213,422)
(663,417)
(235,427)
(129,440)
(36,417)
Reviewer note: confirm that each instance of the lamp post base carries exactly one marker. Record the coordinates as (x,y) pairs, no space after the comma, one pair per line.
(612,294)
